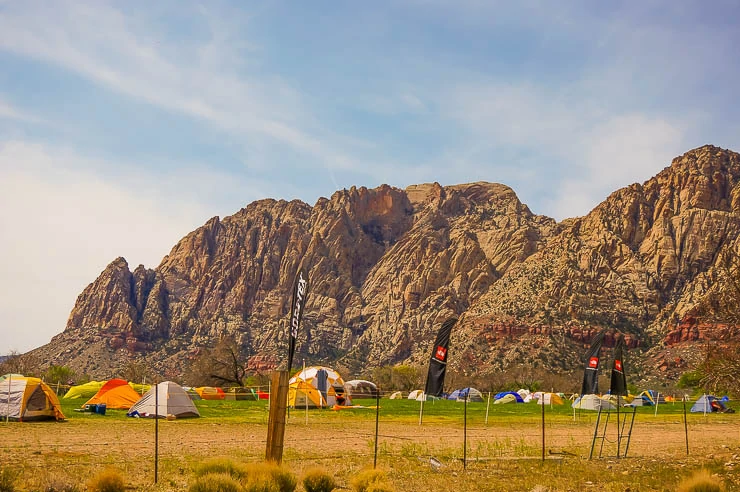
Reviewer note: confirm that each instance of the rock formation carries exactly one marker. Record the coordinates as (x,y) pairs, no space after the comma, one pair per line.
(387,266)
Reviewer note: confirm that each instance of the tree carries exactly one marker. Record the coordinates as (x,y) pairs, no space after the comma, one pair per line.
(222,365)
(60,375)
(16,363)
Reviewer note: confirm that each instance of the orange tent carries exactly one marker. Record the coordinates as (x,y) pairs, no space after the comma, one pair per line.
(210,393)
(115,393)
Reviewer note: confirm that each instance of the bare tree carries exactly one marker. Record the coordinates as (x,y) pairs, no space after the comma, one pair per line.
(222,365)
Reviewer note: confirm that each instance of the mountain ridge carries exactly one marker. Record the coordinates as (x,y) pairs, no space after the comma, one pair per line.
(387,265)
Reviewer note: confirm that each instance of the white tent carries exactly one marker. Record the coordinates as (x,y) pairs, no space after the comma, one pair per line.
(25,398)
(593,402)
(397,395)
(417,395)
(169,399)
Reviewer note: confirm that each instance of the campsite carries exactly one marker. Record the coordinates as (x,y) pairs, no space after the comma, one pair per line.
(503,445)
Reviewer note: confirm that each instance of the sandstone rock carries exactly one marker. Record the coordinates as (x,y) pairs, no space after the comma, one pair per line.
(387,266)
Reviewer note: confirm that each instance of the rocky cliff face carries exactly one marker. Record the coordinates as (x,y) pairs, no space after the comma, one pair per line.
(387,266)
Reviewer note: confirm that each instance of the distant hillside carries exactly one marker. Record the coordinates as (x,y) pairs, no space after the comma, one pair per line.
(387,266)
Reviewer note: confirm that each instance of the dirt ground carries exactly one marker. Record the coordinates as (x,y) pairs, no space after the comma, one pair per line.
(44,452)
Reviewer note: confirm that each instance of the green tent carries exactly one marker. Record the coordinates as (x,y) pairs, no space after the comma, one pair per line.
(84,391)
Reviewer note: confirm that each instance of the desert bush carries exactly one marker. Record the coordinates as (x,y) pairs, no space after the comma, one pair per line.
(108,480)
(216,482)
(222,466)
(700,481)
(317,480)
(371,480)
(7,480)
(268,477)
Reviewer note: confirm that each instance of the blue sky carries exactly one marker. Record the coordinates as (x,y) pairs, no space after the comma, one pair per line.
(125,125)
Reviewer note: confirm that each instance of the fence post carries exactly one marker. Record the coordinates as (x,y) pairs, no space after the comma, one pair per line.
(276,419)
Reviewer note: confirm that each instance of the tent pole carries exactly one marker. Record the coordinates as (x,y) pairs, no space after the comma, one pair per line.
(543,430)
(685,425)
(488,405)
(156,433)
(377,419)
(619,432)
(465,433)
(657,402)
(7,411)
(305,395)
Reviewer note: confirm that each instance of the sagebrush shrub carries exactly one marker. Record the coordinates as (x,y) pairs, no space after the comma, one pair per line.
(317,480)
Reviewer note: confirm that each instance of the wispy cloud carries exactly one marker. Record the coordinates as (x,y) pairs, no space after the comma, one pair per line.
(124,53)
(64,222)
(9,112)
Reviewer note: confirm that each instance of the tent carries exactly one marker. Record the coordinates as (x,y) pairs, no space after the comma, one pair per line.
(115,393)
(593,402)
(710,403)
(83,391)
(238,393)
(170,399)
(325,380)
(507,398)
(469,394)
(210,393)
(397,395)
(417,395)
(516,396)
(359,388)
(549,399)
(302,394)
(24,399)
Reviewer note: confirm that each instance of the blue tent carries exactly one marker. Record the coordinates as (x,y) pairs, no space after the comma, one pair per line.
(708,404)
(504,393)
(471,394)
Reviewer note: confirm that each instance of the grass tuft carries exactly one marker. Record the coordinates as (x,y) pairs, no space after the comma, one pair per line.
(216,482)
(700,481)
(317,480)
(7,480)
(370,480)
(222,466)
(268,477)
(108,480)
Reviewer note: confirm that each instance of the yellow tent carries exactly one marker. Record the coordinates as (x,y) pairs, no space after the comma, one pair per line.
(550,399)
(86,390)
(116,393)
(302,394)
(323,380)
(23,399)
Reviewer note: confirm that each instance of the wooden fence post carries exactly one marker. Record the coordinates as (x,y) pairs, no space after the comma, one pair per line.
(276,419)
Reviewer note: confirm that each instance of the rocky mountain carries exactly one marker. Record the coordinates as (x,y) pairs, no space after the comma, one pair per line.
(387,266)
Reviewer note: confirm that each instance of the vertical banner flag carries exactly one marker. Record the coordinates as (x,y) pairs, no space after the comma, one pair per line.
(590,384)
(619,379)
(438,364)
(300,293)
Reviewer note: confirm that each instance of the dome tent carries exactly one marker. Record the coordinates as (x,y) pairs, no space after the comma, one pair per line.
(315,386)
(25,398)
(170,399)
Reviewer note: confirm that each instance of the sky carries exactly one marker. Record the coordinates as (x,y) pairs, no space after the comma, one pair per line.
(126,125)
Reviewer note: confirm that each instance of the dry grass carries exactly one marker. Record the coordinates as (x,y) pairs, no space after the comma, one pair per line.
(504,454)
(700,481)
